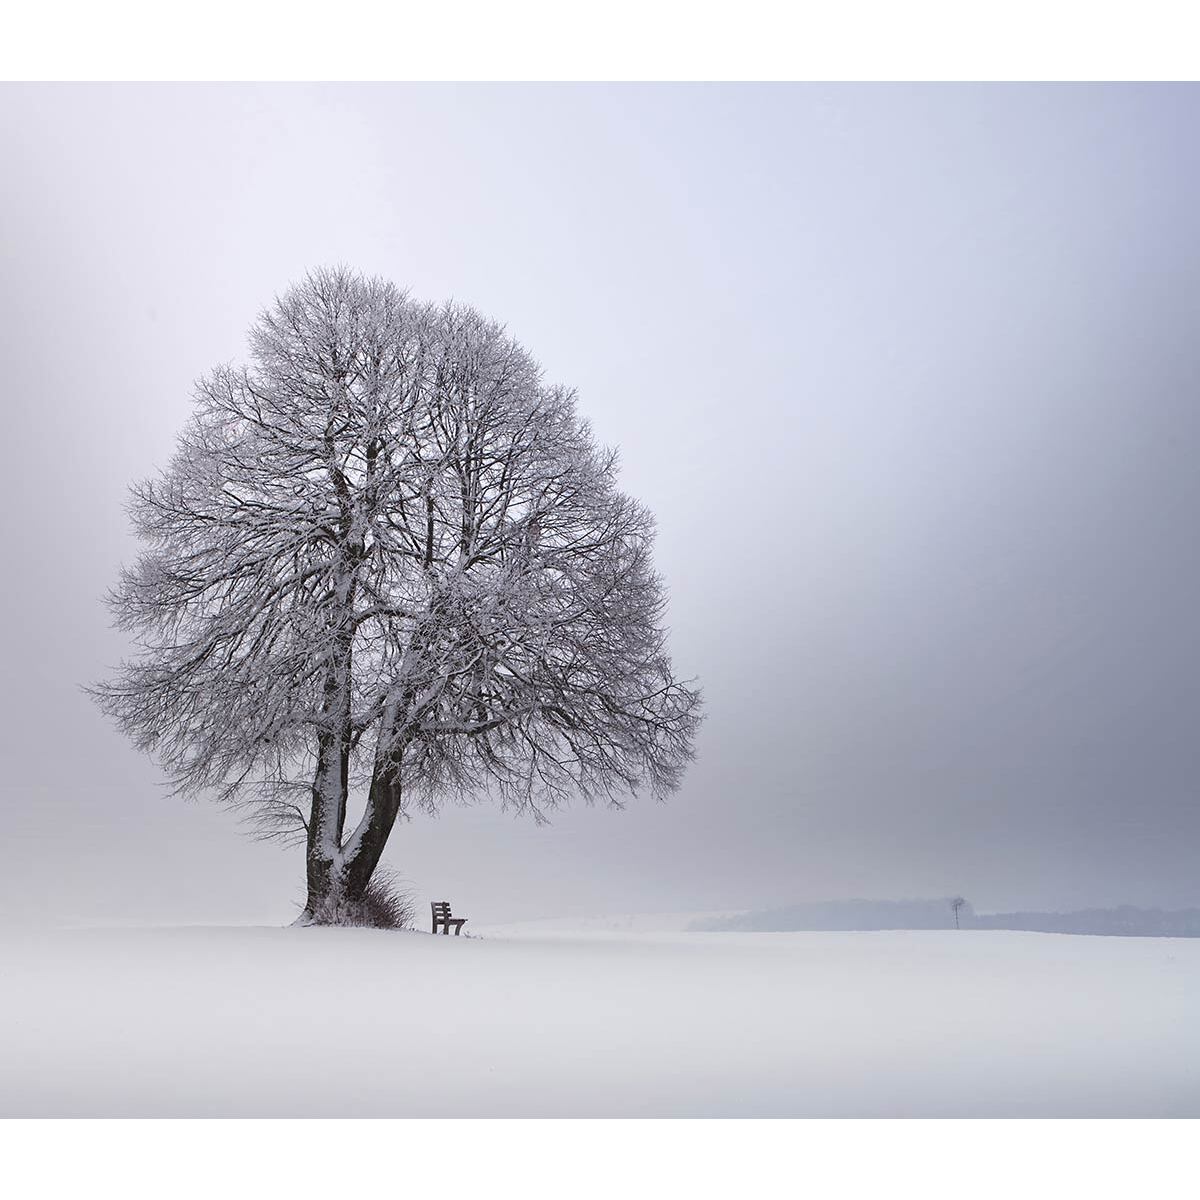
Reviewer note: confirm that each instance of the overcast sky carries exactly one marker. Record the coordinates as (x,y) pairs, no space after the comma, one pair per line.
(909,376)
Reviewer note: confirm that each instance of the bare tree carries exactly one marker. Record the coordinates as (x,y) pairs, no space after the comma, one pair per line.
(389,565)
(956,904)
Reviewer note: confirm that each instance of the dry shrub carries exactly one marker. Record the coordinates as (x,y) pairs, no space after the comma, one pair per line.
(386,904)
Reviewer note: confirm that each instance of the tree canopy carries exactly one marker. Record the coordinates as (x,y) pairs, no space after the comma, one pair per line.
(389,562)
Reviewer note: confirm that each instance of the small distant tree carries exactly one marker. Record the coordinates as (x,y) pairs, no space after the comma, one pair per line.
(389,565)
(956,904)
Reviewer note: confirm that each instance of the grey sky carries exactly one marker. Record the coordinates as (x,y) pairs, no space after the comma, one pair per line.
(908,375)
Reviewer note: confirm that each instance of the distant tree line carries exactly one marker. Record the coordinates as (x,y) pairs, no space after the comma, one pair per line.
(1125,920)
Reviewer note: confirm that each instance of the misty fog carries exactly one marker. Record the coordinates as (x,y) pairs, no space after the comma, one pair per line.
(907,376)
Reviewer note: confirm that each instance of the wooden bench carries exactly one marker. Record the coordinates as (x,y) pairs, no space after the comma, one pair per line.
(442,917)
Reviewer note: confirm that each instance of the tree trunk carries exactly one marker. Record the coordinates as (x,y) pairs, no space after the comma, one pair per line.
(330,791)
(327,903)
(336,899)
(383,806)
(338,881)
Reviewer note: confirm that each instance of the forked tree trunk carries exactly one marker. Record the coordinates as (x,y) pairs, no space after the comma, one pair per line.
(338,880)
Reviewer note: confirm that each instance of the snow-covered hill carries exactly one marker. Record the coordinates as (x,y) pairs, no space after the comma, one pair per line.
(260,1021)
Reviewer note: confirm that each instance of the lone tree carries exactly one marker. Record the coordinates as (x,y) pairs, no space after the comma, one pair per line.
(389,565)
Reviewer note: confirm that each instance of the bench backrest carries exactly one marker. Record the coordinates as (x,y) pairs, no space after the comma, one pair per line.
(441,908)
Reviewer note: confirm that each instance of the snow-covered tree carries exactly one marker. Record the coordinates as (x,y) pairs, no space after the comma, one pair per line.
(389,565)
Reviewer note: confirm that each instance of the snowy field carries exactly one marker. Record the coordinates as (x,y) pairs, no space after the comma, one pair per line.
(539,1020)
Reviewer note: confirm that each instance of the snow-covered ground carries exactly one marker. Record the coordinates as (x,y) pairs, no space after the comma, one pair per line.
(289,1022)
(672,922)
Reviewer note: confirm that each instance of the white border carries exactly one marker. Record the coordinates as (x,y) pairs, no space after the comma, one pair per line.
(613,40)
(626,1160)
(618,40)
